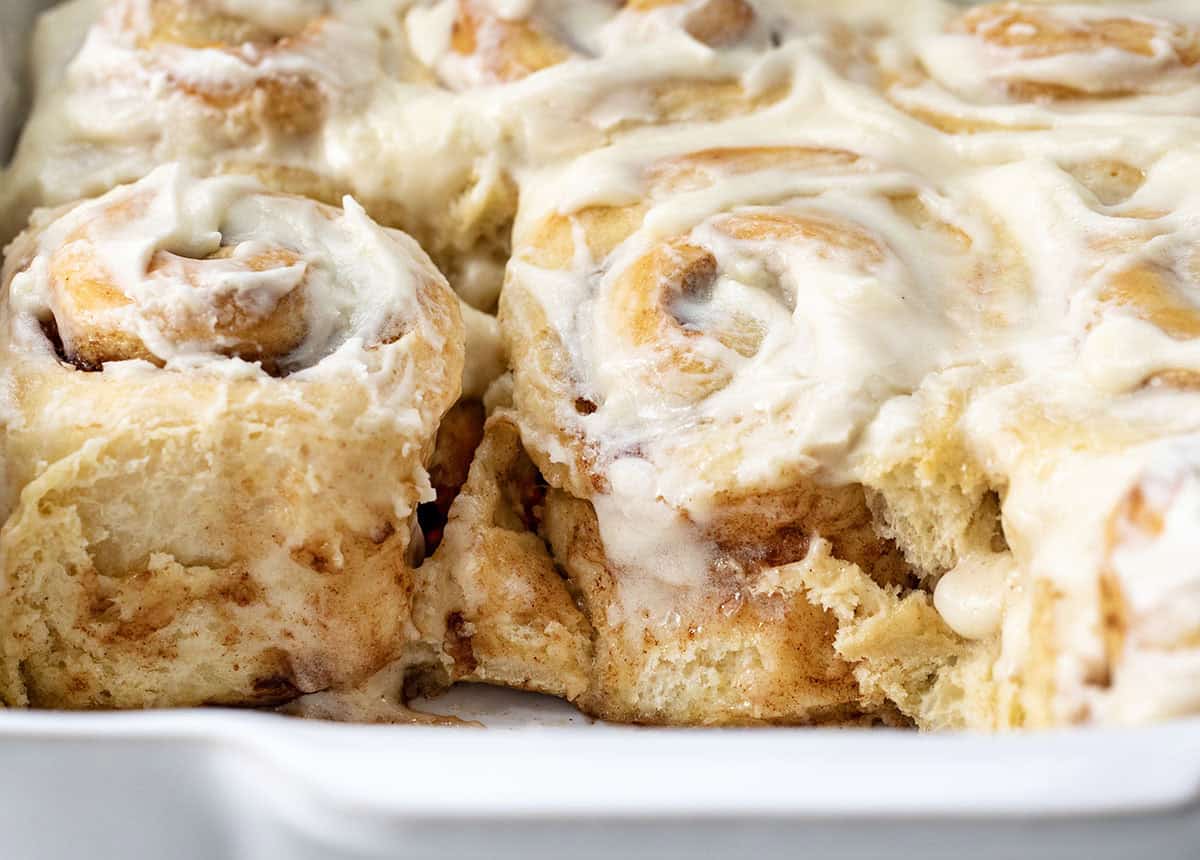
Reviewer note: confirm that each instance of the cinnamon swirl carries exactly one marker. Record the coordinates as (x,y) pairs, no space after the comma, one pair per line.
(221,402)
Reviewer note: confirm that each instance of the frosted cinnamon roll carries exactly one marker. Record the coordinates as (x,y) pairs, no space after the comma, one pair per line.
(1034,65)
(692,373)
(221,402)
(574,75)
(1098,443)
(490,43)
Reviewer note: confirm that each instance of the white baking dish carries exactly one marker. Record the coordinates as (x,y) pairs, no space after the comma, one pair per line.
(543,781)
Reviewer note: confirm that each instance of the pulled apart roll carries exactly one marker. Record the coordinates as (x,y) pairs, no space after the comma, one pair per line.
(220,405)
(691,372)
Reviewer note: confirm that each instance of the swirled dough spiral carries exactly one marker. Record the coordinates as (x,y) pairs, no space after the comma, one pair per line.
(220,404)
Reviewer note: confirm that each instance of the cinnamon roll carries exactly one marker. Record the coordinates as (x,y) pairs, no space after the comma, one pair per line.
(692,372)
(1093,442)
(574,75)
(220,403)
(1034,65)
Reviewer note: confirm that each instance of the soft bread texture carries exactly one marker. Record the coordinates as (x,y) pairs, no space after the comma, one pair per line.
(759,655)
(504,614)
(532,595)
(190,529)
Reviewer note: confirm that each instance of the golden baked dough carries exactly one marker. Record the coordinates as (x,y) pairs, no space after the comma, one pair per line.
(223,403)
(494,598)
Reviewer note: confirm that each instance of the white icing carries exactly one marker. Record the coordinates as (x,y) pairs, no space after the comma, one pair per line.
(356,277)
(429,28)
(640,530)
(970,596)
